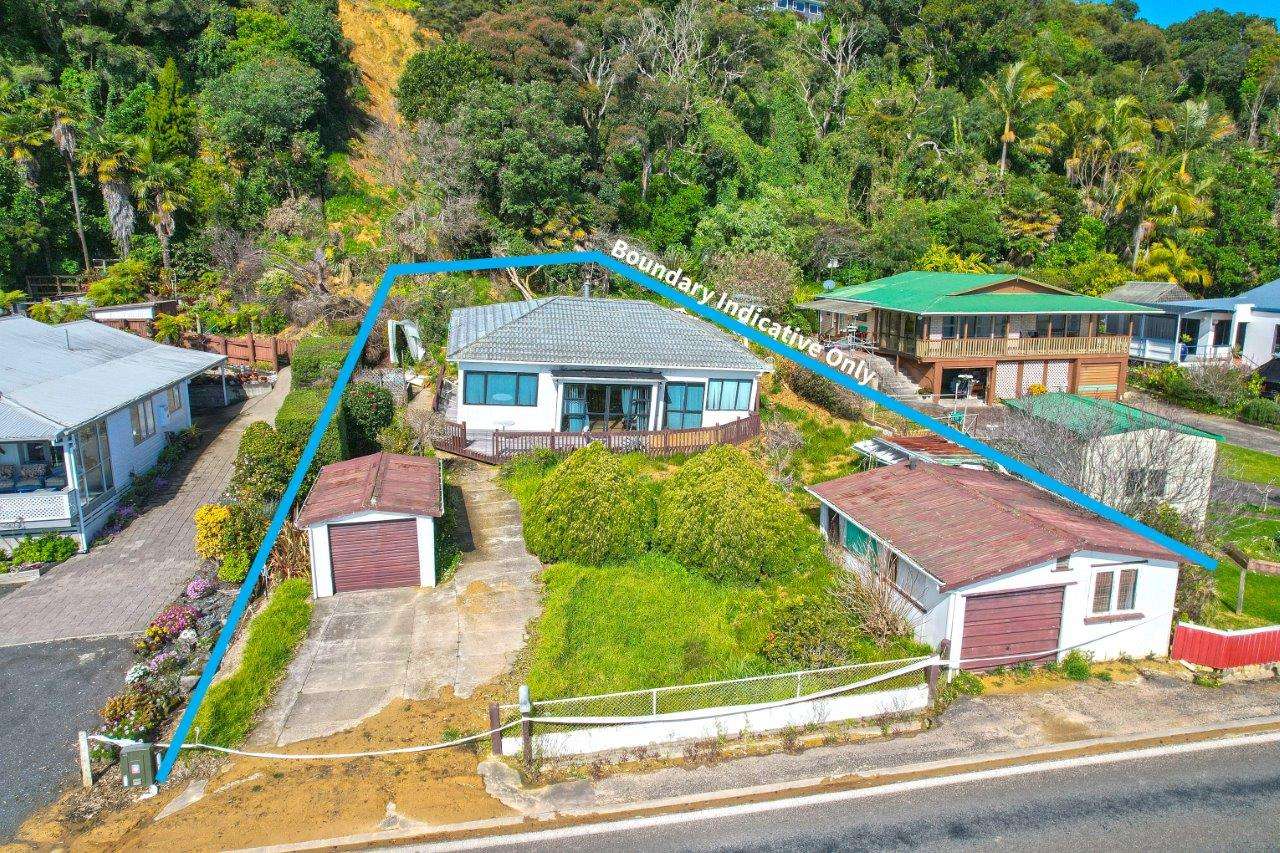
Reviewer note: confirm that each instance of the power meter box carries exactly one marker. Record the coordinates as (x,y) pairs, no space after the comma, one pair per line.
(138,765)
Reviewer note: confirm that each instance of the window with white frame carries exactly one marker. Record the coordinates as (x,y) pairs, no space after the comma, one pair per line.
(728,395)
(174,400)
(143,419)
(1115,590)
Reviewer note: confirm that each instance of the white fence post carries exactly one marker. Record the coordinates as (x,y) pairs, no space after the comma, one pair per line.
(799,688)
(655,701)
(86,767)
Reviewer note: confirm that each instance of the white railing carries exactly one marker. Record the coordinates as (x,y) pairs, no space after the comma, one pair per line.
(1151,349)
(635,718)
(20,509)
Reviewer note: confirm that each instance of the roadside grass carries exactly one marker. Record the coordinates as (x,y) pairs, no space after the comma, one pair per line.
(1252,466)
(230,707)
(1261,599)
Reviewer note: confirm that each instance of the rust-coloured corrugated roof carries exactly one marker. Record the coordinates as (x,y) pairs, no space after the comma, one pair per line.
(387,482)
(963,525)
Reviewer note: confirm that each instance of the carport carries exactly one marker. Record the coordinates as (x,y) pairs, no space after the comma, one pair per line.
(370,523)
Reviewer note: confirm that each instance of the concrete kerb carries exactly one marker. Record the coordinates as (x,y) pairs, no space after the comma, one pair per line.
(1030,759)
(565,258)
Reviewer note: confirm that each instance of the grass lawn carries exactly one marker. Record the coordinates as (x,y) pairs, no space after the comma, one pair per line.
(1261,599)
(1252,466)
(827,450)
(227,714)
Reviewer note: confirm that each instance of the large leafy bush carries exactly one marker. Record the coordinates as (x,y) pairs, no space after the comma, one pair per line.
(298,414)
(263,464)
(592,508)
(720,516)
(369,408)
(316,361)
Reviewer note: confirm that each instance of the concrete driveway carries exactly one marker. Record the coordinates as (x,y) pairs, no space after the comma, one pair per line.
(366,649)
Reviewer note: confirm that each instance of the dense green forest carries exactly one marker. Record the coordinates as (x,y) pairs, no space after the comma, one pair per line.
(223,150)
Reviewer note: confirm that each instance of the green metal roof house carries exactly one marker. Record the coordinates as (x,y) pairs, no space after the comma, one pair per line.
(1005,331)
(1091,415)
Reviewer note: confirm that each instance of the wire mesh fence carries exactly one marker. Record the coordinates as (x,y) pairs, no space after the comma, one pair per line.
(732,693)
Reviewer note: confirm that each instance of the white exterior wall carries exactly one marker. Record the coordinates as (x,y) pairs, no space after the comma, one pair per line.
(1105,638)
(322,566)
(545,416)
(129,459)
(1259,336)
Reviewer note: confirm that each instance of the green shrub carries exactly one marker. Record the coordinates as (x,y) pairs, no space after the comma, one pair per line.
(368,409)
(299,411)
(229,708)
(1261,411)
(592,508)
(234,567)
(263,464)
(317,360)
(810,632)
(822,392)
(1077,666)
(49,548)
(720,515)
(961,684)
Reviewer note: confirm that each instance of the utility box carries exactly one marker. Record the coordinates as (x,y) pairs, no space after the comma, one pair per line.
(137,765)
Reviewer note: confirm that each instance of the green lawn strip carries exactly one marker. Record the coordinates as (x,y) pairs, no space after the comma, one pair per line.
(1252,466)
(231,705)
(1261,599)
(827,449)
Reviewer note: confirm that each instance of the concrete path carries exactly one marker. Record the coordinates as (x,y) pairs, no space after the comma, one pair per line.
(116,588)
(367,649)
(1251,436)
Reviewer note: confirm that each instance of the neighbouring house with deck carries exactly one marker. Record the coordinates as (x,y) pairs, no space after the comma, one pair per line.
(1121,455)
(564,370)
(83,408)
(1001,570)
(1004,331)
(1243,328)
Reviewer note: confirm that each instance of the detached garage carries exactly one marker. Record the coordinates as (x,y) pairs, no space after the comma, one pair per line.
(370,523)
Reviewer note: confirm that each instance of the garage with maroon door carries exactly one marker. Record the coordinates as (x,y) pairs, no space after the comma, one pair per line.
(374,554)
(1005,628)
(370,523)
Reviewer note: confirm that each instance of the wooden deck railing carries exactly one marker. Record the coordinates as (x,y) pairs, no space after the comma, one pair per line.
(1005,347)
(506,444)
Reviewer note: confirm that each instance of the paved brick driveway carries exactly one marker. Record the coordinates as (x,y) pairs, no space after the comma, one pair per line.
(116,588)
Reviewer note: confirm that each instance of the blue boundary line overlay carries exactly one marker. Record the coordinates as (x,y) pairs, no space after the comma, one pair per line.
(731,324)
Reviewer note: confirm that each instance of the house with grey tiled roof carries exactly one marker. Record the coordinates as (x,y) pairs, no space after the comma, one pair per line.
(578,364)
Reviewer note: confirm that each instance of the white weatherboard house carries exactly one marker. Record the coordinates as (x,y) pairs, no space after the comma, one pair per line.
(1003,571)
(583,364)
(83,408)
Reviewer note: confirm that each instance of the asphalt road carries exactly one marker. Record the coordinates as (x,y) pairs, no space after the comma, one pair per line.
(1227,799)
(48,692)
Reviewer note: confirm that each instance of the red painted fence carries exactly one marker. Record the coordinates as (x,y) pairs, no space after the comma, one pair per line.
(1225,649)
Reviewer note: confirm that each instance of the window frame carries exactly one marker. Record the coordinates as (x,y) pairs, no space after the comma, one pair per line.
(1121,591)
(142,418)
(714,400)
(683,409)
(518,377)
(173,399)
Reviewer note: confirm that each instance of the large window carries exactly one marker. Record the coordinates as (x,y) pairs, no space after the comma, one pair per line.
(143,418)
(175,399)
(605,407)
(1115,590)
(950,327)
(729,395)
(500,389)
(991,326)
(93,462)
(684,405)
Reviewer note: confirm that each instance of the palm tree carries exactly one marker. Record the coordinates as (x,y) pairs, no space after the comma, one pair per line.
(112,159)
(1167,261)
(159,188)
(1012,93)
(63,114)
(22,132)
(1193,128)
(1157,196)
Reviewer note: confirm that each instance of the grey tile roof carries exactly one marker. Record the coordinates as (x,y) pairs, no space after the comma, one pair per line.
(593,332)
(73,373)
(1147,292)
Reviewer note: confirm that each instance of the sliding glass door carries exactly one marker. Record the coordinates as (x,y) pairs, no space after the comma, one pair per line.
(93,462)
(600,407)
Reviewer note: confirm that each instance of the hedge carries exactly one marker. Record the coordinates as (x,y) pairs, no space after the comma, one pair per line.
(592,508)
(298,414)
(317,360)
(229,708)
(719,515)
(367,409)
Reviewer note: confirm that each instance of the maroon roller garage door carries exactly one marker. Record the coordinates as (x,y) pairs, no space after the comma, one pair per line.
(1005,628)
(374,554)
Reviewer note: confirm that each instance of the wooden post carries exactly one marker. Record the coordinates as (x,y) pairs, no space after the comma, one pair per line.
(1244,573)
(86,767)
(935,671)
(495,720)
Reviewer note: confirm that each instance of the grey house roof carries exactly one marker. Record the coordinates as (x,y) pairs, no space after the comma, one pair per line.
(593,332)
(1264,297)
(1148,292)
(63,376)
